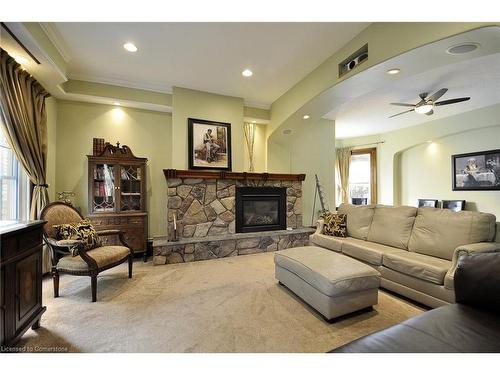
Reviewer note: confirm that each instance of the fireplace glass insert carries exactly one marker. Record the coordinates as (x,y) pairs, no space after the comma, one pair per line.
(260,209)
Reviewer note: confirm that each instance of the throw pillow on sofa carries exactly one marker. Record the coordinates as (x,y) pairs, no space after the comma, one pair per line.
(82,231)
(335,224)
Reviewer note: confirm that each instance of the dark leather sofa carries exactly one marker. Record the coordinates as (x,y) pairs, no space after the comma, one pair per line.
(472,325)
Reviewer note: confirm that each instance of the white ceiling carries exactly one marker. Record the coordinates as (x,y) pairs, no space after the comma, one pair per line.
(368,114)
(202,56)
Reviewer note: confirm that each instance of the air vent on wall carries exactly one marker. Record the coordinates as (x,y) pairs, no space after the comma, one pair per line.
(352,62)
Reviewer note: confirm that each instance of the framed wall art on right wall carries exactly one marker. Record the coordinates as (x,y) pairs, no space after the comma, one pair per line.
(476,170)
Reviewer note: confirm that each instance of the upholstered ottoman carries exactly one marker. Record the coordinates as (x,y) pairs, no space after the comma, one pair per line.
(332,283)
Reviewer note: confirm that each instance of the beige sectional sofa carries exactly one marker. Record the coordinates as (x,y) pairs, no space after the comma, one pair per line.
(415,250)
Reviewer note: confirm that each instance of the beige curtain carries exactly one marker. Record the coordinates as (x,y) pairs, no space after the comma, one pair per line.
(343,164)
(250,141)
(24,120)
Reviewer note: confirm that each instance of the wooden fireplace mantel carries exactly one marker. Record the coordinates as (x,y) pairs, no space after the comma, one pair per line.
(224,175)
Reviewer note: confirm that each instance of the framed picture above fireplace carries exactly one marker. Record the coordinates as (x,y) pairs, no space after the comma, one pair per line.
(209,144)
(476,170)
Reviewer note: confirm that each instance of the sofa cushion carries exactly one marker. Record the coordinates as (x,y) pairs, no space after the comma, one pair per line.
(438,232)
(334,224)
(328,242)
(359,219)
(331,273)
(421,266)
(365,251)
(392,226)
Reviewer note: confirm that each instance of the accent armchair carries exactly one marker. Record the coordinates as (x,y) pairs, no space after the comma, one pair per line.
(87,262)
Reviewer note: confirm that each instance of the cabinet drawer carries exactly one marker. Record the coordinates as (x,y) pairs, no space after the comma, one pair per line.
(116,221)
(139,220)
(108,221)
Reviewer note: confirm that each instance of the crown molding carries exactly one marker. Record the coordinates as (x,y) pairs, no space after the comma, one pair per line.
(57,40)
(255,104)
(93,99)
(119,82)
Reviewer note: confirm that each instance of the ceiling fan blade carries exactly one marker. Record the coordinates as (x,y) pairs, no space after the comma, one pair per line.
(437,95)
(397,114)
(422,96)
(451,101)
(403,104)
(431,112)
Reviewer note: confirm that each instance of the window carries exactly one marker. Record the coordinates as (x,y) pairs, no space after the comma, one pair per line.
(363,175)
(14,185)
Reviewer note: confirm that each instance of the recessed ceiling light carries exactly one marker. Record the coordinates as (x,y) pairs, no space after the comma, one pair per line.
(247,73)
(21,59)
(117,103)
(305,117)
(460,49)
(393,71)
(130,47)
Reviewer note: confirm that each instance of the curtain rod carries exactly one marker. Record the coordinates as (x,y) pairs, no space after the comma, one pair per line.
(368,144)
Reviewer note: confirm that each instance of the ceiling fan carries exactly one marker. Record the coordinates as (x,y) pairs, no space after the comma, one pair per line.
(427,103)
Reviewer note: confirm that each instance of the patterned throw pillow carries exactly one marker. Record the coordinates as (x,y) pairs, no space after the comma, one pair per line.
(82,231)
(335,224)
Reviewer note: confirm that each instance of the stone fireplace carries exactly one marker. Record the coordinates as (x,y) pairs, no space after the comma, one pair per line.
(221,214)
(260,209)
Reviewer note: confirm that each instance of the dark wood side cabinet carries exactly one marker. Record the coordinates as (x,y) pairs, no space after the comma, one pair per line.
(20,279)
(117,194)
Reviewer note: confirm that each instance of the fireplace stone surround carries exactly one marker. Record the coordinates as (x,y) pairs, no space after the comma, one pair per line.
(204,204)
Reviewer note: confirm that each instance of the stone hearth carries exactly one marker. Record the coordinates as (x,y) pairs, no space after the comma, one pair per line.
(204,206)
(213,247)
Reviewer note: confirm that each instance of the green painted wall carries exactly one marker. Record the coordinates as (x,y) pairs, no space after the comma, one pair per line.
(313,152)
(278,157)
(393,181)
(260,113)
(51,108)
(426,169)
(147,133)
(205,106)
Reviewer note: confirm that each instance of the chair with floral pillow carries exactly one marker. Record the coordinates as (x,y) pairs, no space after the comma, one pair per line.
(82,254)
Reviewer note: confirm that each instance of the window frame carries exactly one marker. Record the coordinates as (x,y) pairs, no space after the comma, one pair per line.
(372,151)
(23,188)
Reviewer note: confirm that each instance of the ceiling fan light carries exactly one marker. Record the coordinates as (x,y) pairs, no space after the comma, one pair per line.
(426,108)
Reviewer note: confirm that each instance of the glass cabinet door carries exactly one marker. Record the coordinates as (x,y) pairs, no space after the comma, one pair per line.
(130,188)
(103,199)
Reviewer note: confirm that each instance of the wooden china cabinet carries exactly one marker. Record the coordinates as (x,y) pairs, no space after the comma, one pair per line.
(117,194)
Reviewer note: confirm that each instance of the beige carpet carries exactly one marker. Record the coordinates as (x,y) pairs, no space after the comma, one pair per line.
(225,305)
